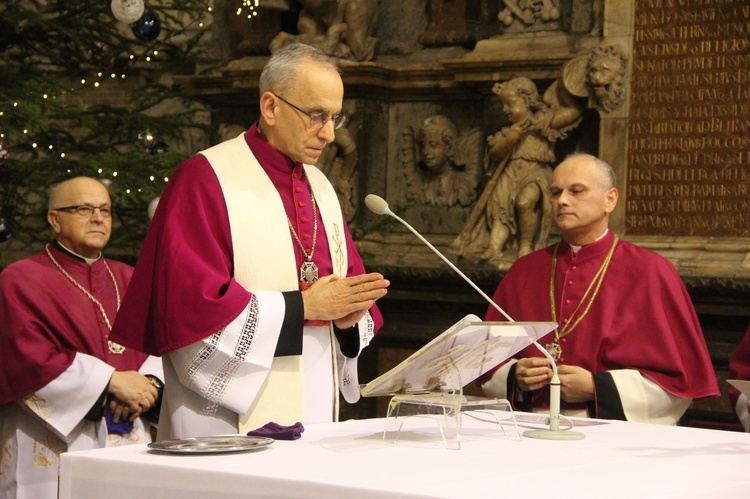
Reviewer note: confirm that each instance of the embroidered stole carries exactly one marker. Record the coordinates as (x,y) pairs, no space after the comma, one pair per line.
(264,259)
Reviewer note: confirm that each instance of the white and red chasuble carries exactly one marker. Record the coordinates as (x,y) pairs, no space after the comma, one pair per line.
(214,279)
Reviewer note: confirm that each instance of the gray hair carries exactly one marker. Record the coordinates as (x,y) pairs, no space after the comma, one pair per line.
(280,73)
(607,177)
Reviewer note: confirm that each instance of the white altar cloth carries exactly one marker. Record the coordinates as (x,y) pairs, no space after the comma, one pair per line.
(350,459)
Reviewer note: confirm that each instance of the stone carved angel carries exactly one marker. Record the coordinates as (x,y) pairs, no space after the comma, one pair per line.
(516,200)
(440,166)
(340,28)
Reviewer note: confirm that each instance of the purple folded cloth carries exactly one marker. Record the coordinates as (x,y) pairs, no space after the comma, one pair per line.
(278,432)
(124,427)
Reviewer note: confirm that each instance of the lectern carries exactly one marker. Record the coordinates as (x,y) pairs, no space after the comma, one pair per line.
(429,384)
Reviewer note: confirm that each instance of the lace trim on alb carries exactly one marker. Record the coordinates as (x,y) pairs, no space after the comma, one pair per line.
(222,377)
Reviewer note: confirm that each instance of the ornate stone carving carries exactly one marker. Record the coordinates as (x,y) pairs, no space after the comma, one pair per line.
(341,28)
(605,77)
(440,166)
(515,201)
(529,11)
(598,75)
(339,161)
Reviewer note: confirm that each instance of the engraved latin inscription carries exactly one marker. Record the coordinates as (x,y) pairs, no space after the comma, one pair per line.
(689,130)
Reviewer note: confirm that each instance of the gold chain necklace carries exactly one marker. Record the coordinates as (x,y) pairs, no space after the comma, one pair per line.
(113,347)
(308,271)
(554,348)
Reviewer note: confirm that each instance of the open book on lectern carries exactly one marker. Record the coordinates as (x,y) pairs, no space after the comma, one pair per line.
(457,357)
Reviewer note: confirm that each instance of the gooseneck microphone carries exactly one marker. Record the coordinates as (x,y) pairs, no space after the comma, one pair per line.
(379,205)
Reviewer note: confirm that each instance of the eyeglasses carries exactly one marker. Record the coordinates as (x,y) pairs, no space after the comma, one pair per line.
(318,120)
(86,210)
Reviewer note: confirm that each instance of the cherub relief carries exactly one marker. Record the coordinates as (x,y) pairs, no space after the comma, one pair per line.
(516,201)
(440,166)
(341,28)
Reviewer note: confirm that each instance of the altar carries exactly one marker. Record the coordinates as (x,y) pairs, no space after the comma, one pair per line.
(352,459)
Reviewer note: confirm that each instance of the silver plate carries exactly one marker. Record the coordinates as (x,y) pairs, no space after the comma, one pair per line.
(210,445)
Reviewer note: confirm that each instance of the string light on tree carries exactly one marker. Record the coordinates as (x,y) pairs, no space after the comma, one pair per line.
(32,130)
(250,6)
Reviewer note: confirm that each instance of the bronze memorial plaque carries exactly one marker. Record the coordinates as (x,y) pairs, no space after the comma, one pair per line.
(689,129)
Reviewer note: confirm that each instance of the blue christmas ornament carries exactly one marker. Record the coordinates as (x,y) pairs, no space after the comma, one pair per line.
(146,28)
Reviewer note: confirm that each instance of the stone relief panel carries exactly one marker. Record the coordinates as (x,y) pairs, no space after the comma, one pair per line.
(441,166)
(432,164)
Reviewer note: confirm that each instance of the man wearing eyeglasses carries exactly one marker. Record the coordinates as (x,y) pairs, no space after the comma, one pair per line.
(248,277)
(64,385)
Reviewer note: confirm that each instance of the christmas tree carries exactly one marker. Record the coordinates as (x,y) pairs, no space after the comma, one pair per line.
(86,89)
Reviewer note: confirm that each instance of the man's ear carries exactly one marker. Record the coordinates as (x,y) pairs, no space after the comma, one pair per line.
(54,222)
(268,105)
(612,197)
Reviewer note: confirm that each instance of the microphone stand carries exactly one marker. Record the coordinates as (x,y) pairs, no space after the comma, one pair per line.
(380,206)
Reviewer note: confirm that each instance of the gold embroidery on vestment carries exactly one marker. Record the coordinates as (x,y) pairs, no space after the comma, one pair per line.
(47,451)
(5,458)
(39,406)
(338,253)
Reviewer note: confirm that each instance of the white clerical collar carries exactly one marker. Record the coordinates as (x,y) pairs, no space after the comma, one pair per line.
(90,261)
(577,248)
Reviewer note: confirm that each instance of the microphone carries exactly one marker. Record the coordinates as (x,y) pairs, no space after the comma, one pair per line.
(379,205)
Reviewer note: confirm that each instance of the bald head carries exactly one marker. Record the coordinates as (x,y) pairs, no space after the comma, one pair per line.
(80,215)
(62,193)
(600,169)
(583,196)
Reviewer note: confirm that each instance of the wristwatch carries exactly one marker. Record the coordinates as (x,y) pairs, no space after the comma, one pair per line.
(155,381)
(152,415)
